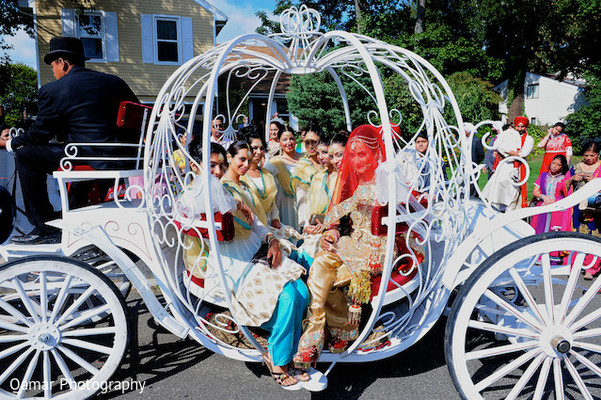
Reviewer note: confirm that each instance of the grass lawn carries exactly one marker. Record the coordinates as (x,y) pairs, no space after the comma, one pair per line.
(535,163)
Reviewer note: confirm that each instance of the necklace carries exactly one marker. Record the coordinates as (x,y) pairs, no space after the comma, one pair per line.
(589,168)
(262,193)
(291,159)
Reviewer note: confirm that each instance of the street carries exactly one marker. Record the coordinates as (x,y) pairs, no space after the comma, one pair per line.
(170,368)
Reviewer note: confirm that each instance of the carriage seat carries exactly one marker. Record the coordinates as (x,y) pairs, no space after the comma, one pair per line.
(402,280)
(132,119)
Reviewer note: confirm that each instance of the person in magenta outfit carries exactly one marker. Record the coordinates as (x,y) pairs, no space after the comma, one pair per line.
(584,221)
(545,189)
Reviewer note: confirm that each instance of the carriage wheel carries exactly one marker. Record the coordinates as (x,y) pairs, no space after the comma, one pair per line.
(526,324)
(52,343)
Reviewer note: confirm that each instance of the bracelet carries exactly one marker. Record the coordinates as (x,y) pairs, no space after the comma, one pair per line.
(329,233)
(270,239)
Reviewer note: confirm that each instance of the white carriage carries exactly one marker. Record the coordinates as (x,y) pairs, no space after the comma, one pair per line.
(520,323)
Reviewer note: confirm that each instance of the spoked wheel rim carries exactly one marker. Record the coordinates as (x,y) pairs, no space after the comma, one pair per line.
(63,329)
(526,326)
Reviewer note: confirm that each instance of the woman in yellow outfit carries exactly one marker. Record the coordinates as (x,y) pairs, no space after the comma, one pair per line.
(261,183)
(302,174)
(320,195)
(281,167)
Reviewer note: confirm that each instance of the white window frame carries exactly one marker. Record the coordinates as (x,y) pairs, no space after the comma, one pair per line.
(533,95)
(155,40)
(102,35)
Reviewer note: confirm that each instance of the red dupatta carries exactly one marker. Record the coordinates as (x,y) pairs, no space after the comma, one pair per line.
(349,178)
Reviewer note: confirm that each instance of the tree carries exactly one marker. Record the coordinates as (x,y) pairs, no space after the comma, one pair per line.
(584,124)
(20,93)
(475,97)
(420,21)
(316,98)
(12,19)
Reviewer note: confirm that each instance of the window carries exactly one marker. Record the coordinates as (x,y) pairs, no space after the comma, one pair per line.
(97,30)
(533,121)
(532,91)
(90,29)
(166,39)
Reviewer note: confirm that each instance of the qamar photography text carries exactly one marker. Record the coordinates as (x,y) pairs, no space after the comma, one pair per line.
(65,384)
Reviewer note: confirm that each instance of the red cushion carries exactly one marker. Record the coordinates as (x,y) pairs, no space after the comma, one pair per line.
(225,234)
(394,276)
(131,114)
(198,281)
(378,228)
(82,167)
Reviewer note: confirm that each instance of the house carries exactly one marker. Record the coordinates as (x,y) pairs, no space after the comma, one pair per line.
(547,100)
(142,41)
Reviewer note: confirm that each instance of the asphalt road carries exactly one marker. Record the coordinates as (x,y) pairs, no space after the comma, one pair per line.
(171,368)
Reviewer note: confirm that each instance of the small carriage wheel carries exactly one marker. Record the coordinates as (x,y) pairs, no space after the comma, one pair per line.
(52,343)
(524,325)
(96,258)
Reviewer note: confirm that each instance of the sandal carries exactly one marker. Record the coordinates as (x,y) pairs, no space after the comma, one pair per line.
(588,277)
(299,374)
(280,378)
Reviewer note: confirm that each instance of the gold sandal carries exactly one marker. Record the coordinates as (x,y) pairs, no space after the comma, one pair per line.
(279,377)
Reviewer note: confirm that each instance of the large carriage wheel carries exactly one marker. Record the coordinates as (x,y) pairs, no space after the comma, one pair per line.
(526,326)
(63,328)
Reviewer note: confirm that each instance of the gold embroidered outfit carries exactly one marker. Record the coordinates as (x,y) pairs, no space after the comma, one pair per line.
(354,260)
(255,287)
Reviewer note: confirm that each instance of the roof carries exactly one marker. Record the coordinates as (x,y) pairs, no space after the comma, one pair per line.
(220,17)
(570,80)
(264,85)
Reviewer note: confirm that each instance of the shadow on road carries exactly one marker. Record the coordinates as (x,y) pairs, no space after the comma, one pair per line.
(157,360)
(161,356)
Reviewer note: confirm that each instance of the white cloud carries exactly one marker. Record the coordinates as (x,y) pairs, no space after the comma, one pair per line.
(23,50)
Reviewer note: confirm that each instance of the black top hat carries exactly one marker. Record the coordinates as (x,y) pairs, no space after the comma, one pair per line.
(70,47)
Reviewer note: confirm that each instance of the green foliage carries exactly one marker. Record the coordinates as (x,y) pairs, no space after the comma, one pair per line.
(584,124)
(537,133)
(398,96)
(20,92)
(316,98)
(475,97)
(487,40)
(267,26)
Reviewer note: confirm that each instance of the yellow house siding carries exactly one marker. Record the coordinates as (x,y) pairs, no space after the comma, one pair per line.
(145,79)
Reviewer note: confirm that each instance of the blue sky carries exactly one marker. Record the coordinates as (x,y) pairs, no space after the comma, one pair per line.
(241,16)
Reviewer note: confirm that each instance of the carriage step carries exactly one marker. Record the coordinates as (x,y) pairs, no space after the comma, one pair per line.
(317,383)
